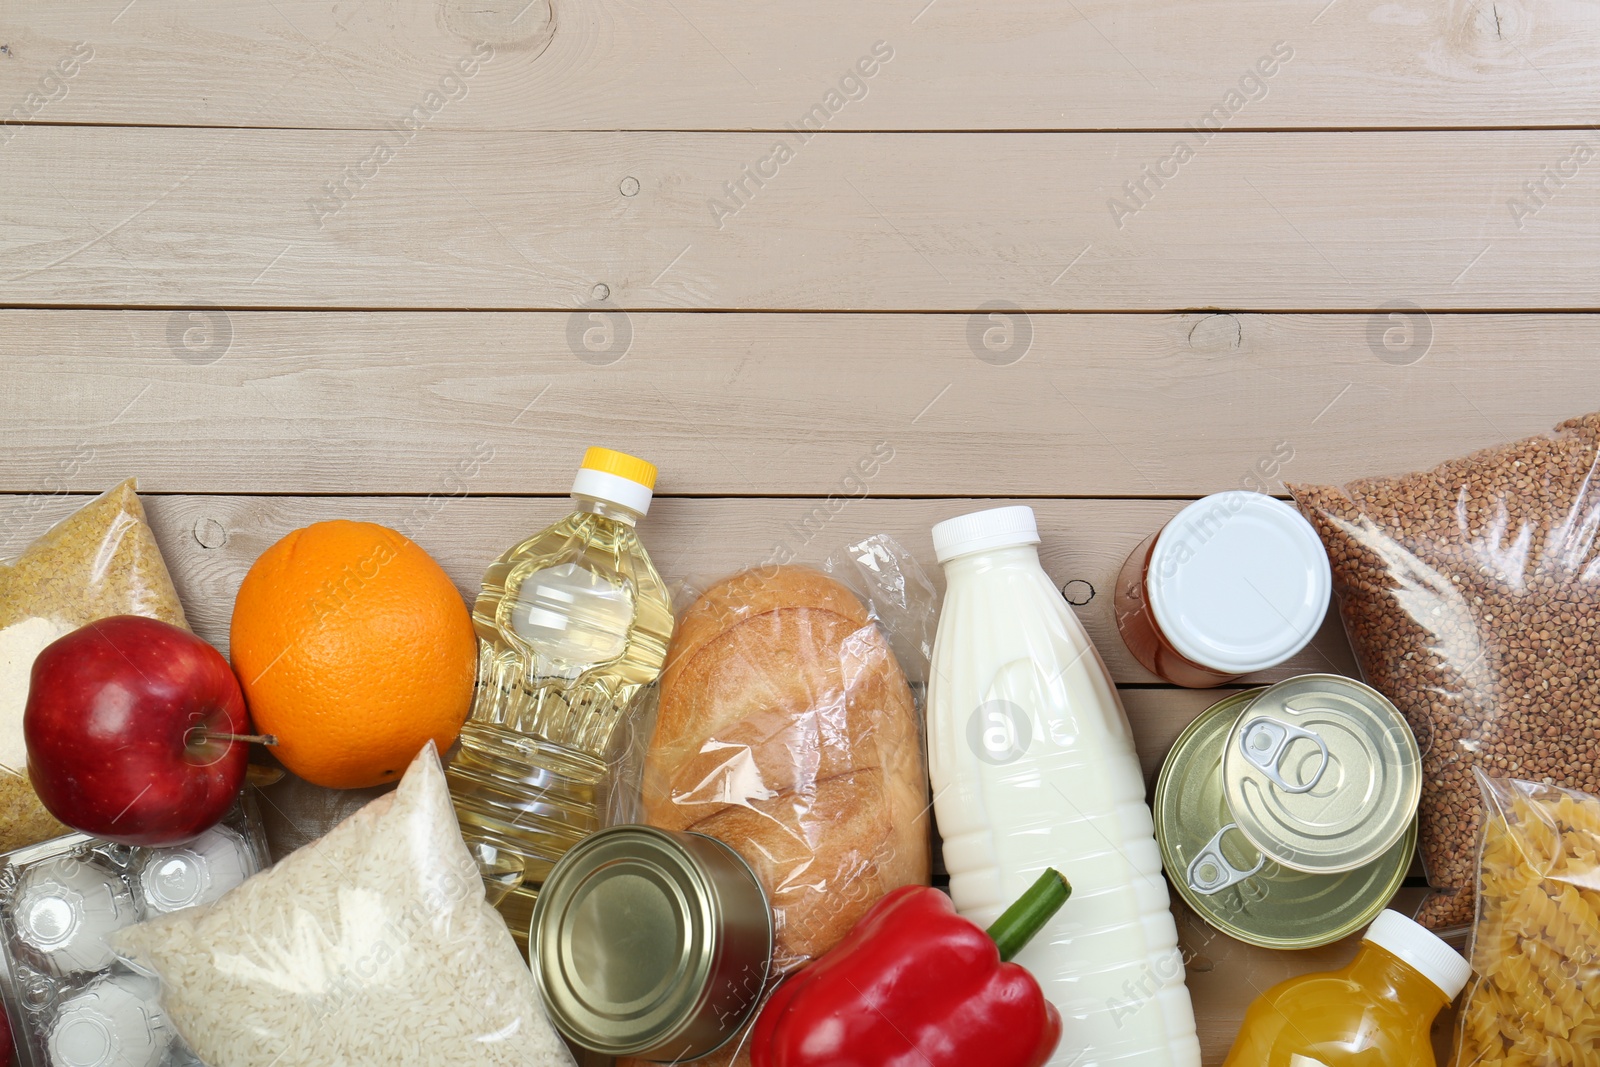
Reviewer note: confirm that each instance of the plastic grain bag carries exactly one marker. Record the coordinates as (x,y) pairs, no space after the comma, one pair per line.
(100,561)
(1471,595)
(373,945)
(1536,947)
(787,729)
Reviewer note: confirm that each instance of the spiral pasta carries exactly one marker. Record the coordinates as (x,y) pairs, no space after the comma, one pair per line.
(1536,947)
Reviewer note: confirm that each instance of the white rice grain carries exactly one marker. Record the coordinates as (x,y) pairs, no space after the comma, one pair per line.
(373,945)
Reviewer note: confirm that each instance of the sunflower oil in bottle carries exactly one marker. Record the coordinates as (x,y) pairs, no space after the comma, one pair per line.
(572,625)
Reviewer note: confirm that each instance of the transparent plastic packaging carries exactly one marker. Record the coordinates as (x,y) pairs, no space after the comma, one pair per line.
(373,945)
(572,626)
(1536,946)
(787,729)
(62,902)
(1471,595)
(114,1021)
(101,560)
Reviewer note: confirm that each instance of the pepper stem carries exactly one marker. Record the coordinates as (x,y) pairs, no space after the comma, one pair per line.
(1017,925)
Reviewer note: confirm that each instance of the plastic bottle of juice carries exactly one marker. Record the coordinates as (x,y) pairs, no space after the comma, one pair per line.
(1033,767)
(1376,1012)
(573,625)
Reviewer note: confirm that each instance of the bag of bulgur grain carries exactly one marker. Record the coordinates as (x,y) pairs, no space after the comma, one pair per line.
(1471,595)
(101,560)
(372,945)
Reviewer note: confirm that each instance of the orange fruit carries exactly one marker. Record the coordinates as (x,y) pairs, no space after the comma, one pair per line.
(354,650)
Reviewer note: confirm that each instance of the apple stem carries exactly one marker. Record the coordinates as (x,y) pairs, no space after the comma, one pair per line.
(251,739)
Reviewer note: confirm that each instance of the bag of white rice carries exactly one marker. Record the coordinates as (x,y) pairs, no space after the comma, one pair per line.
(372,945)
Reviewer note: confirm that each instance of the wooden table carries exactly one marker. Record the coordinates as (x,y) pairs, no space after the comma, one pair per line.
(292,260)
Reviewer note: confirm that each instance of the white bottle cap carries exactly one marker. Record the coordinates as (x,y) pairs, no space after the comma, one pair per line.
(995,528)
(1239,582)
(616,478)
(1420,950)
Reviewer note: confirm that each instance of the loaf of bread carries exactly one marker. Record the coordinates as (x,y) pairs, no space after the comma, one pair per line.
(786,729)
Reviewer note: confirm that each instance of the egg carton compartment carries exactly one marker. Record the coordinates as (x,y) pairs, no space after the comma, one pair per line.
(71,1002)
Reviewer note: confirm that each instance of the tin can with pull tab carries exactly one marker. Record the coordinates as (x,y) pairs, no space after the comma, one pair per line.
(1322,773)
(1286,815)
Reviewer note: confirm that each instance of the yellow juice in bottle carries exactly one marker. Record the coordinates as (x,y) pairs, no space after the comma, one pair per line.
(1376,1012)
(572,625)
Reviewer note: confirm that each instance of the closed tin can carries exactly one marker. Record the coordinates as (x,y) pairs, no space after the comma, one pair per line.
(651,943)
(1227,881)
(1322,773)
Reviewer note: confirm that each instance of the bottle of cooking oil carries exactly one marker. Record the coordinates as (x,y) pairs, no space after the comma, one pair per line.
(573,625)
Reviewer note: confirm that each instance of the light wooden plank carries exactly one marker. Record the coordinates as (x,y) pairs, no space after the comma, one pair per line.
(697,64)
(1269,221)
(768,404)
(210,541)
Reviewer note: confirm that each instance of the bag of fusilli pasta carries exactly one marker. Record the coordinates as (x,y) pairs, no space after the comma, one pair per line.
(1536,948)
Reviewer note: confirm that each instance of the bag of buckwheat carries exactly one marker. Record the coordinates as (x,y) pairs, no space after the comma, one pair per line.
(1471,595)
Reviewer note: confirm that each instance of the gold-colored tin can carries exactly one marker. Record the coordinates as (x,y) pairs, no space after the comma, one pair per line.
(651,943)
(1227,881)
(1322,773)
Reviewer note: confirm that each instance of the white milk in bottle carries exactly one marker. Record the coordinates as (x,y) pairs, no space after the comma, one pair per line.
(1033,766)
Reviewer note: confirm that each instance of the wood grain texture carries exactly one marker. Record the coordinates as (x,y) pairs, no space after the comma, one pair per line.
(701,64)
(773,405)
(1268,221)
(451,157)
(210,541)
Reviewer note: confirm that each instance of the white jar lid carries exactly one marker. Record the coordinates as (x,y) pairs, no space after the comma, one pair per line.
(1421,950)
(1239,582)
(994,528)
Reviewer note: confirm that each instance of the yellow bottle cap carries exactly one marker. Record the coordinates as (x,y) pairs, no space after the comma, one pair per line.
(609,461)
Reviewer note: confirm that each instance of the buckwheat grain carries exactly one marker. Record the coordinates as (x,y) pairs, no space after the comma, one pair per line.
(1471,595)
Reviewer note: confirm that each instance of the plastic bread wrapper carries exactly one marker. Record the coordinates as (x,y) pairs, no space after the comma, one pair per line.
(808,759)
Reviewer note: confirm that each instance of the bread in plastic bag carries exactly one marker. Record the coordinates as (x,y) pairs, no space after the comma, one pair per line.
(786,728)
(1536,947)
(373,945)
(101,560)
(1471,595)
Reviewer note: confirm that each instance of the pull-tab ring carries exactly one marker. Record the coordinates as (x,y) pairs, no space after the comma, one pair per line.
(1266,740)
(1224,873)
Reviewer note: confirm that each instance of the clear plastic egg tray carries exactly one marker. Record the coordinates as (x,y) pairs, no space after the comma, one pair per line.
(71,1002)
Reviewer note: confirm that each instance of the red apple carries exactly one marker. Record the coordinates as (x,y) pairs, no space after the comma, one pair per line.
(121,725)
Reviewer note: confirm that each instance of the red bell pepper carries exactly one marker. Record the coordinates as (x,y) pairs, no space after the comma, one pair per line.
(916,985)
